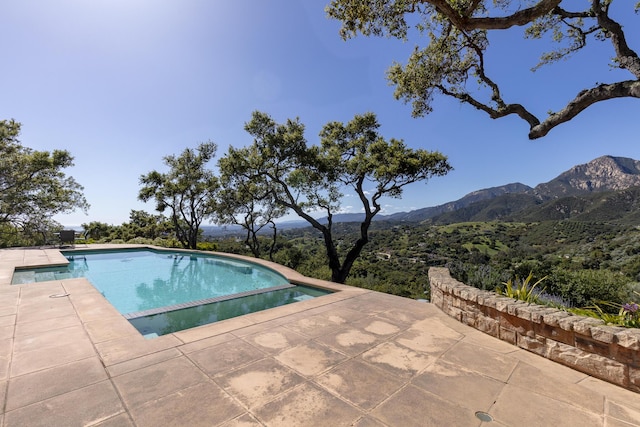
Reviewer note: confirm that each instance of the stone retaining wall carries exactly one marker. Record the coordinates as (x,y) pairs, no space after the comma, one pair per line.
(582,343)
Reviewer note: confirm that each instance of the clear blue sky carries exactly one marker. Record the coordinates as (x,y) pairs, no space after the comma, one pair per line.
(122,83)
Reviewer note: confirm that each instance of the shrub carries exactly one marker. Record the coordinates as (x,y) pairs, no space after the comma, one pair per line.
(587,287)
(207,246)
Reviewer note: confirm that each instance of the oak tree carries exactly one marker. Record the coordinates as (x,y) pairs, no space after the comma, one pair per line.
(187,190)
(33,185)
(246,202)
(310,179)
(451,61)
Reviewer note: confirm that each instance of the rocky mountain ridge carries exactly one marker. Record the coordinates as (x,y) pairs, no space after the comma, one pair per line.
(606,173)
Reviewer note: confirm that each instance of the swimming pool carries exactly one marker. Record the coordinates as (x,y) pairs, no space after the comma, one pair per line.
(144,285)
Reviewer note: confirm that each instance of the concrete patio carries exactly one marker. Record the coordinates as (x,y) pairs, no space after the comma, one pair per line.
(354,357)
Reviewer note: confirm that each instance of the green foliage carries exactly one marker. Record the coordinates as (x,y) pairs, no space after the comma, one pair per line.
(96,230)
(586,287)
(187,190)
(451,54)
(627,315)
(207,246)
(33,188)
(281,169)
(522,290)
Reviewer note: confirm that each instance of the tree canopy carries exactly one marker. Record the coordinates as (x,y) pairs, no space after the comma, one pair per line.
(187,190)
(309,179)
(33,186)
(246,202)
(456,32)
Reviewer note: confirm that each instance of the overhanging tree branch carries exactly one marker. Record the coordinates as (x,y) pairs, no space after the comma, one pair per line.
(586,98)
(456,34)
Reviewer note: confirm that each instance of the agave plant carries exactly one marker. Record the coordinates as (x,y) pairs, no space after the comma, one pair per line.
(522,290)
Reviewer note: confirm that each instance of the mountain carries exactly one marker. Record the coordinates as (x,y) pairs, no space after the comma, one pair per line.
(602,174)
(605,189)
(471,198)
(566,196)
(620,206)
(569,190)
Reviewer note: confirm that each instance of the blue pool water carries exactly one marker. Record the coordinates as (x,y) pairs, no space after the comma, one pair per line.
(161,292)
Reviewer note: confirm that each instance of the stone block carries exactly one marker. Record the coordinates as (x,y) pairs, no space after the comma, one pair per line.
(503,302)
(456,290)
(634,379)
(592,346)
(488,325)
(453,312)
(469,294)
(515,324)
(470,306)
(567,323)
(508,335)
(553,318)
(554,332)
(584,324)
(538,315)
(436,299)
(592,364)
(512,309)
(456,302)
(524,311)
(628,338)
(605,334)
(623,355)
(489,301)
(468,318)
(535,344)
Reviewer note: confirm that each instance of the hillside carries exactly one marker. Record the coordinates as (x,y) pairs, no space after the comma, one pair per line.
(621,207)
(602,174)
(604,189)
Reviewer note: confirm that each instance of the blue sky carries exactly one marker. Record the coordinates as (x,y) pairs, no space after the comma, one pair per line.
(123,83)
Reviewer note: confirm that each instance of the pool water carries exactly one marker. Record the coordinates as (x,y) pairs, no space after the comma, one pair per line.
(161,292)
(178,320)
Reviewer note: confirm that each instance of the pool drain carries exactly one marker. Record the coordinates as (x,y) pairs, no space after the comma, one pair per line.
(483,416)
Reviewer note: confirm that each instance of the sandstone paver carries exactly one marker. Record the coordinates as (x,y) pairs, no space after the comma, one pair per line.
(480,359)
(81,407)
(305,406)
(360,383)
(414,407)
(41,385)
(310,358)
(156,381)
(203,404)
(451,382)
(259,382)
(539,410)
(223,357)
(275,340)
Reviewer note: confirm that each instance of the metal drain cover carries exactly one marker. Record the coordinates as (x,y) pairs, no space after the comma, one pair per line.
(483,416)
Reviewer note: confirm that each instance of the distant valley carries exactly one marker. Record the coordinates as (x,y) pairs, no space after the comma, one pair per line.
(605,189)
